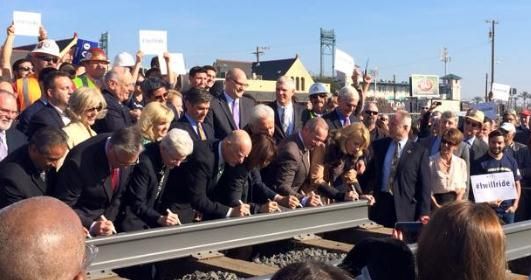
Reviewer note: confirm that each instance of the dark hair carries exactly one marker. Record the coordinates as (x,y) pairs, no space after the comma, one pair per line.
(128,140)
(44,73)
(153,72)
(68,68)
(20,61)
(155,63)
(48,137)
(151,84)
(486,119)
(209,67)
(452,136)
(310,270)
(497,133)
(262,152)
(49,80)
(198,95)
(195,70)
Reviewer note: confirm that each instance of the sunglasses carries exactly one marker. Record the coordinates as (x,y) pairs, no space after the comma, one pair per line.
(368,112)
(48,58)
(27,69)
(425,108)
(95,109)
(315,96)
(384,119)
(161,97)
(473,124)
(446,142)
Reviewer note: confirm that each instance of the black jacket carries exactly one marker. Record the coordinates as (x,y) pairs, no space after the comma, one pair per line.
(117,115)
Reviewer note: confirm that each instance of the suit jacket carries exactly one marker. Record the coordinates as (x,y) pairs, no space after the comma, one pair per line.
(412,192)
(289,170)
(25,116)
(333,121)
(117,115)
(84,182)
(47,116)
(298,110)
(478,149)
(15,139)
(77,132)
(184,124)
(220,117)
(20,179)
(141,201)
(194,185)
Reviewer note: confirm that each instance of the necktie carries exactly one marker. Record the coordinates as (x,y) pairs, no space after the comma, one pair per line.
(285,120)
(3,147)
(42,176)
(200,131)
(394,165)
(346,122)
(236,112)
(115,179)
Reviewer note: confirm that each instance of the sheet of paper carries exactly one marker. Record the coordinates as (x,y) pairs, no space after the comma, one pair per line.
(153,41)
(27,23)
(176,63)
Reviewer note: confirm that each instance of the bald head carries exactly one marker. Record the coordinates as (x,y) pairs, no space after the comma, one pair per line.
(236,147)
(235,82)
(40,238)
(314,133)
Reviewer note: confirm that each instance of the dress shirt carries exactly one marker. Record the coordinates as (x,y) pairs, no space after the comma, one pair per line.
(286,117)
(64,118)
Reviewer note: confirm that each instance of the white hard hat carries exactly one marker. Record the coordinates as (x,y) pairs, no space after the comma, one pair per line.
(124,59)
(317,88)
(47,46)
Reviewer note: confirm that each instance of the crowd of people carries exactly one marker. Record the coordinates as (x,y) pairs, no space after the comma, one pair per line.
(130,150)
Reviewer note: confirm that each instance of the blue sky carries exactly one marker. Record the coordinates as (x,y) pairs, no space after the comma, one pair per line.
(399,37)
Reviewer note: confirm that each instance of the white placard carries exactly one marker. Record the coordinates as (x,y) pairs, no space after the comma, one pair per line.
(153,41)
(500,92)
(493,186)
(343,62)
(489,109)
(176,63)
(26,23)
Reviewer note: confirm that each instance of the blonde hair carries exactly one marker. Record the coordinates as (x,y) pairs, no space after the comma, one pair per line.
(355,131)
(82,99)
(154,113)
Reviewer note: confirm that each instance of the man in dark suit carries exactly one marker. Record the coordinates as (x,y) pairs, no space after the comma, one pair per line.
(197,104)
(142,199)
(94,175)
(197,183)
(10,137)
(288,115)
(58,87)
(30,170)
(349,105)
(399,169)
(472,127)
(231,110)
(118,87)
(288,173)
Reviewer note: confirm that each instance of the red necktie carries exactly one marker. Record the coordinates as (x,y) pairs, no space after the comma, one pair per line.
(115,179)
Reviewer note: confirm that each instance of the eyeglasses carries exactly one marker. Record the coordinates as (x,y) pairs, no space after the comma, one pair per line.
(240,84)
(91,251)
(11,113)
(369,112)
(473,124)
(48,58)
(315,96)
(27,69)
(94,109)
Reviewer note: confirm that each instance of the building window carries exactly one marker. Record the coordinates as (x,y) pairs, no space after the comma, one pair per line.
(303,86)
(297,83)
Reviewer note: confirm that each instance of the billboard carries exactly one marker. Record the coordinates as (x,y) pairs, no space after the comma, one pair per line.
(424,85)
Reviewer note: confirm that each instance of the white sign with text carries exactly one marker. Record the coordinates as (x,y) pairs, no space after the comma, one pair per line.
(493,186)
(153,41)
(176,63)
(500,92)
(26,23)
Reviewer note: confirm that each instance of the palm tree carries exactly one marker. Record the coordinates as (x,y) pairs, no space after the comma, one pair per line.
(524,95)
(477,99)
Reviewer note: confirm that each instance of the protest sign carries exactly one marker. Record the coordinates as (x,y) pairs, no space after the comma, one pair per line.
(493,186)
(26,23)
(500,92)
(488,108)
(343,62)
(153,41)
(81,50)
(176,63)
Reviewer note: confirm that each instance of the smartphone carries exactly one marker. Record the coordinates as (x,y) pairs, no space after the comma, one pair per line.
(410,230)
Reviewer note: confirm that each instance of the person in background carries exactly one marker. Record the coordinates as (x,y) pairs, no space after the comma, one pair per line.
(522,131)
(175,98)
(137,102)
(211,76)
(85,106)
(349,106)
(154,122)
(371,120)
(488,126)
(511,147)
(95,63)
(193,121)
(310,270)
(10,138)
(22,68)
(453,244)
(318,95)
(288,114)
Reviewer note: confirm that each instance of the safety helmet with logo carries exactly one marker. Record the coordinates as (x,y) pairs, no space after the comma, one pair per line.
(318,88)
(47,46)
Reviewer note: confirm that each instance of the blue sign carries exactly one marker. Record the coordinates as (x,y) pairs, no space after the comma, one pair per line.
(81,50)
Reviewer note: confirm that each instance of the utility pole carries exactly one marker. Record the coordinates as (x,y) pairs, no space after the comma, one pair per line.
(259,51)
(445,58)
(486,87)
(492,34)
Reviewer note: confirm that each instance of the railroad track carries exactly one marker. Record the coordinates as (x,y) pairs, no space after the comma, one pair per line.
(204,240)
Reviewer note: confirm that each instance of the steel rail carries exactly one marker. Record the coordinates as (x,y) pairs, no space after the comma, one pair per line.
(127,249)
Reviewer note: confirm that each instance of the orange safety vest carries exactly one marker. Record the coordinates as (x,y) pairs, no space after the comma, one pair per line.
(28,91)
